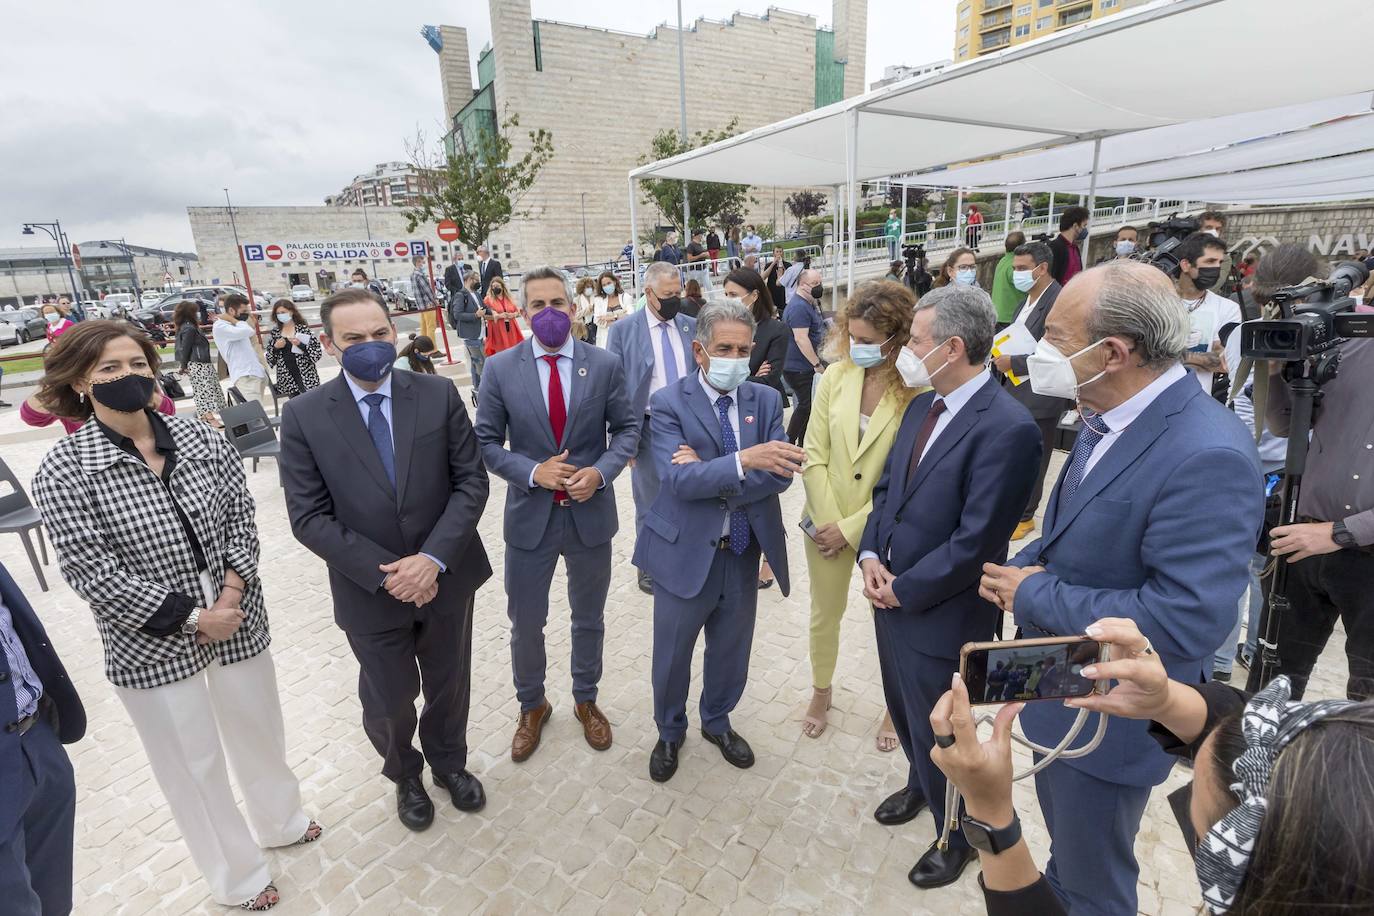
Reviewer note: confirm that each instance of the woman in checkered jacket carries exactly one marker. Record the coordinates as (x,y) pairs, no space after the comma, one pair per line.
(153,525)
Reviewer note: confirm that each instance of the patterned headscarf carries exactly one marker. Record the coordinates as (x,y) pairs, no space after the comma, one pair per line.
(1269,724)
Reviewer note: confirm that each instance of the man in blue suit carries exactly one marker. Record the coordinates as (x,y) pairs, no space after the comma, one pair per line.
(558,401)
(39,711)
(1154,518)
(959,473)
(654,346)
(722,454)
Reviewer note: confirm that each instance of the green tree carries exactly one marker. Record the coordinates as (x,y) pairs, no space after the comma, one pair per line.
(710,200)
(802,204)
(478,185)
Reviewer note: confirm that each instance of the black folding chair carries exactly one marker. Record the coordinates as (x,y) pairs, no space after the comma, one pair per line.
(249,430)
(19,516)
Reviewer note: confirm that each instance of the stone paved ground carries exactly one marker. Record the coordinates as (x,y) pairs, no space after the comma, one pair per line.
(570,830)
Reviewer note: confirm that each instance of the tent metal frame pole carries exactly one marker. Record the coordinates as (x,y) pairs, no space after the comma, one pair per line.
(634,240)
(835,240)
(851,175)
(1092,196)
(1006,220)
(958,216)
(901,240)
(1049,225)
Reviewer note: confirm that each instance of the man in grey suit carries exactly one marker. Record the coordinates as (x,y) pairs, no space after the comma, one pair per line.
(557,400)
(723,456)
(1031,265)
(654,346)
(384,481)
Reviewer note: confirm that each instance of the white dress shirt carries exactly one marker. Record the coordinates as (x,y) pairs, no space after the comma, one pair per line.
(565,358)
(1123,414)
(1027,307)
(660,378)
(235,343)
(732,414)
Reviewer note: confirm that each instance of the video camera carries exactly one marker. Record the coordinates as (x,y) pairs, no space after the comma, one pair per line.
(1313,318)
(917,278)
(1163,238)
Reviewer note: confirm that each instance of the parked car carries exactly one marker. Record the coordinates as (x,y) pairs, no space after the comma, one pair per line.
(117,304)
(9,335)
(302,293)
(94,308)
(28,324)
(401,296)
(151,296)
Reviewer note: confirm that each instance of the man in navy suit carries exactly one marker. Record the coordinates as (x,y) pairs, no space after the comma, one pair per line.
(654,346)
(959,473)
(721,452)
(564,408)
(40,712)
(1154,518)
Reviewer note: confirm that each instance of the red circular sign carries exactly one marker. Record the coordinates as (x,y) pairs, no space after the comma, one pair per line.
(447,231)
(401,249)
(273,252)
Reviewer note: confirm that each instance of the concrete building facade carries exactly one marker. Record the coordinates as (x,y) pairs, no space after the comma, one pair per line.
(29,275)
(604,94)
(983,26)
(219,258)
(389,184)
(898,72)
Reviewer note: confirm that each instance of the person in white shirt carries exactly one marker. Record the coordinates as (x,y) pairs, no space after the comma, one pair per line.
(1200,257)
(234,336)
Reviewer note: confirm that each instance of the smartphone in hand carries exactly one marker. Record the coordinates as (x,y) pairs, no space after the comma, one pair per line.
(808,527)
(1018,670)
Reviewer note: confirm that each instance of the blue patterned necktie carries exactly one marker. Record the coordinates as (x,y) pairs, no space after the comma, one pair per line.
(739,518)
(380,431)
(1094,428)
(670,369)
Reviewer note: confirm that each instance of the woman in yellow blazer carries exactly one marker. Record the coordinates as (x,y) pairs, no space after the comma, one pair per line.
(858,408)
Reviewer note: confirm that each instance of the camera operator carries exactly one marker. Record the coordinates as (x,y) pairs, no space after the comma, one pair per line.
(1331,547)
(917,277)
(1274,796)
(1200,256)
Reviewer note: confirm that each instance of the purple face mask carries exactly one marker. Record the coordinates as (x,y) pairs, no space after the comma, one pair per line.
(551,326)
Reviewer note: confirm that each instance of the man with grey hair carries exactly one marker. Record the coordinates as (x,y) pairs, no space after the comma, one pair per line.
(718,444)
(654,346)
(487,268)
(950,494)
(1154,518)
(555,423)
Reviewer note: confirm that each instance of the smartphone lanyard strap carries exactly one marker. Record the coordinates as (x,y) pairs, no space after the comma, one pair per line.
(1048,756)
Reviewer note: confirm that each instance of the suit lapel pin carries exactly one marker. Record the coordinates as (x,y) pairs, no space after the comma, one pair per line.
(582,372)
(749,419)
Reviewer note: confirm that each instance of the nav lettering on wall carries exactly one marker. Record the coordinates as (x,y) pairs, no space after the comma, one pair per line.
(288,252)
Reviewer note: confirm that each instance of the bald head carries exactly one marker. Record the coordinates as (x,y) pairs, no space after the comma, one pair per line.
(809,278)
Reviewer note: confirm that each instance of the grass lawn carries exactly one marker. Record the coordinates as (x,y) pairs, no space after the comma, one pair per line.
(34,363)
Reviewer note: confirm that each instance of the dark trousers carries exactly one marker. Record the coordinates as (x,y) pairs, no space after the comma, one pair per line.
(1049,427)
(394,666)
(36,856)
(1092,825)
(912,683)
(1322,589)
(529,577)
(801,410)
(725,609)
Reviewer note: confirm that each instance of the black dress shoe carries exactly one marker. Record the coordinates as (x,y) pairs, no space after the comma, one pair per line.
(663,761)
(936,868)
(413,806)
(900,807)
(646,585)
(733,748)
(464,788)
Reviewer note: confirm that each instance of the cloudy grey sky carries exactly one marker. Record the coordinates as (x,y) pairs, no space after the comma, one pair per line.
(120,115)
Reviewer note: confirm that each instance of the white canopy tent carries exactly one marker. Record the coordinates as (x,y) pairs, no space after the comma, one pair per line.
(1075,89)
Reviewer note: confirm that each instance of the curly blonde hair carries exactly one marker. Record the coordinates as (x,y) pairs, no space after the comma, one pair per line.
(888,307)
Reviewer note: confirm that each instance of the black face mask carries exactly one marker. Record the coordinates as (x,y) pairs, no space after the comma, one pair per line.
(129,394)
(1207,277)
(817,291)
(668,307)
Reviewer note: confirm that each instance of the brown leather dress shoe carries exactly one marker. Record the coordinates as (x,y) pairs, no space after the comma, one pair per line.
(595,725)
(528,731)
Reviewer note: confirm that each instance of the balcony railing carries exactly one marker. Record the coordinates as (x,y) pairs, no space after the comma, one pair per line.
(1066,4)
(993,5)
(1073,17)
(992,22)
(996,40)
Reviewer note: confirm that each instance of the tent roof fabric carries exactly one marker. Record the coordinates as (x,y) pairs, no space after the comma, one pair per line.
(1085,83)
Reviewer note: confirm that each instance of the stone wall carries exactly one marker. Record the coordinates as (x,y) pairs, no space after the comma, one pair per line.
(1330,231)
(604,94)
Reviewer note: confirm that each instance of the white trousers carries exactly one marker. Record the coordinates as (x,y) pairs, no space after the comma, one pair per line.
(187,730)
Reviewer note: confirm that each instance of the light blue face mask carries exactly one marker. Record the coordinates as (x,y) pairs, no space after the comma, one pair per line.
(1023,280)
(727,374)
(966,276)
(866,356)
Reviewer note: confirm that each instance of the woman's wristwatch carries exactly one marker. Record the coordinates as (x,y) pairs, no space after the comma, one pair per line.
(986,838)
(191,625)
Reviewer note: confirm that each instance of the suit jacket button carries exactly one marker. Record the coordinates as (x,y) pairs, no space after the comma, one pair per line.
(858,477)
(401,518)
(1041,560)
(898,519)
(4,676)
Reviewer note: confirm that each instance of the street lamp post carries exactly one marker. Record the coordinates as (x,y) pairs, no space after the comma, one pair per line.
(133,270)
(54,231)
(367,227)
(233,224)
(682,103)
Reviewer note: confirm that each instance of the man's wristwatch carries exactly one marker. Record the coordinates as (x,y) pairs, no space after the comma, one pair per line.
(1342,536)
(191,625)
(986,838)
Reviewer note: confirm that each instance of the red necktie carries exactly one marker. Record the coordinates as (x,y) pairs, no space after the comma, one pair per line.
(558,411)
(937,407)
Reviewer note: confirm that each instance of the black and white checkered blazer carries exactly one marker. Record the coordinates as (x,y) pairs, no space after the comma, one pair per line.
(120,546)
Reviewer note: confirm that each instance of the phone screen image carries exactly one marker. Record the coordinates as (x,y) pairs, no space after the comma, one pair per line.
(1021,672)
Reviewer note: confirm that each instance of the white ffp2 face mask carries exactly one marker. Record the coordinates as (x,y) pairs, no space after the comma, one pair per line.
(1051,372)
(913,369)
